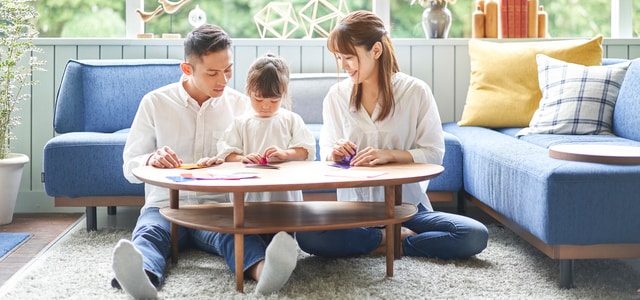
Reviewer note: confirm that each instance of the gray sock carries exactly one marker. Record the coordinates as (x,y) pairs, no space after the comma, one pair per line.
(127,265)
(280,260)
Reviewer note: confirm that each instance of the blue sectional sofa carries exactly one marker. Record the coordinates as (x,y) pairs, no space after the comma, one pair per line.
(95,106)
(567,209)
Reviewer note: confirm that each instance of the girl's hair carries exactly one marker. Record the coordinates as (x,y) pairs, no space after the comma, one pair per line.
(364,28)
(268,77)
(204,40)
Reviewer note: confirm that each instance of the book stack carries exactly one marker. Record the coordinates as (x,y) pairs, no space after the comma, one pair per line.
(509,19)
(514,19)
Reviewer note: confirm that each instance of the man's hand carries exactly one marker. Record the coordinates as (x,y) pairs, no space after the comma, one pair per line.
(164,158)
(209,161)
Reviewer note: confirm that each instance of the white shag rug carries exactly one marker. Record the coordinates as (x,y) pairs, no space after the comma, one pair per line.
(79,267)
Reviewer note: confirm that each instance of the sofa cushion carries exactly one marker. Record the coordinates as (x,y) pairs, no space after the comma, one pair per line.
(558,201)
(503,90)
(307,92)
(576,99)
(90,88)
(626,122)
(81,164)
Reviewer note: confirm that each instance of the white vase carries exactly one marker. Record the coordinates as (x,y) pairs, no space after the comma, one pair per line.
(10,177)
(436,20)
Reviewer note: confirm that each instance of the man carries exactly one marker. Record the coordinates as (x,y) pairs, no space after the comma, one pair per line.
(182,122)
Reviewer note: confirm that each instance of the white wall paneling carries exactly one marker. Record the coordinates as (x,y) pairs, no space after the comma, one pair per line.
(442,63)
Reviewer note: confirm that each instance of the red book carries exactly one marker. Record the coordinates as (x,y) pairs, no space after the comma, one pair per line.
(517,15)
(504,21)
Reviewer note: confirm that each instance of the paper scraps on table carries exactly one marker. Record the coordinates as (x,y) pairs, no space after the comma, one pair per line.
(341,165)
(184,177)
(191,166)
(356,173)
(261,166)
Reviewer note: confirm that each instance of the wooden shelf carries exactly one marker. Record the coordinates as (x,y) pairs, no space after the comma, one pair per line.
(273,217)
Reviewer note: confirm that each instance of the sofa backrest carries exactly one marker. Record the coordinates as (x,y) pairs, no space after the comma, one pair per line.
(307,92)
(626,114)
(103,95)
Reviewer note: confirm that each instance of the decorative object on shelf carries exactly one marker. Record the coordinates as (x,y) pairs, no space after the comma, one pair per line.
(321,16)
(543,19)
(148,16)
(277,18)
(477,29)
(16,66)
(491,19)
(171,7)
(197,17)
(436,18)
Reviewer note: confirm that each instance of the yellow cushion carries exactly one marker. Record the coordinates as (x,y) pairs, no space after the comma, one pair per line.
(504,90)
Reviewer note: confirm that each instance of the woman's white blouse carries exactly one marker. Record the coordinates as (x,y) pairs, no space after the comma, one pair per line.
(414,125)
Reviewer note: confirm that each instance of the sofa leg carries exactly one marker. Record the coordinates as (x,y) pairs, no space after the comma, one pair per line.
(461,203)
(111,210)
(566,273)
(92,218)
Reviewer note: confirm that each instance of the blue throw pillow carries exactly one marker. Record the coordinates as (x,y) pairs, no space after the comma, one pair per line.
(576,99)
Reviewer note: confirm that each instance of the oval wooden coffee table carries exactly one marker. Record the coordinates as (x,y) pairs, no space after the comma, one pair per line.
(240,218)
(597,153)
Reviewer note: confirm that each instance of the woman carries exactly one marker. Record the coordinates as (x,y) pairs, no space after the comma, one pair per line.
(377,116)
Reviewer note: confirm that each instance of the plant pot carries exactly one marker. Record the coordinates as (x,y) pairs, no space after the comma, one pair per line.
(10,177)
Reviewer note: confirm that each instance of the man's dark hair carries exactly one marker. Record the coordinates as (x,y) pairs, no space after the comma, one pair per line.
(205,39)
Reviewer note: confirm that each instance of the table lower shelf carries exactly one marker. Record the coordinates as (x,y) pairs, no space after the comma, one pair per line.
(271,217)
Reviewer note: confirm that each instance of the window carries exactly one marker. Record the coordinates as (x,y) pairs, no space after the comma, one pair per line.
(96,18)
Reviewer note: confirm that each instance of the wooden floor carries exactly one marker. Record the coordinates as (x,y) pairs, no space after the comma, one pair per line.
(44,227)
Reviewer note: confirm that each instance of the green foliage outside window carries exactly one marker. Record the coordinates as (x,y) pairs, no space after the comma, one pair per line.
(98,18)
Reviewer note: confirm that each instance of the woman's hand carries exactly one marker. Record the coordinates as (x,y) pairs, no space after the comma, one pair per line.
(164,158)
(343,148)
(370,157)
(209,161)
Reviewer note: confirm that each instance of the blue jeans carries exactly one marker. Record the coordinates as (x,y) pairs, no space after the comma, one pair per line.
(442,235)
(152,237)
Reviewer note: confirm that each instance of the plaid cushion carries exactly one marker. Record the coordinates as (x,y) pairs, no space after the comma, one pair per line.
(576,99)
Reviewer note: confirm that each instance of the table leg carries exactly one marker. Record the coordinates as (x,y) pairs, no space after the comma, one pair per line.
(397,242)
(239,252)
(238,221)
(390,248)
(389,195)
(174,243)
(174,200)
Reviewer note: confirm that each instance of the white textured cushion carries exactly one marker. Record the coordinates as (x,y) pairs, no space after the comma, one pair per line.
(576,99)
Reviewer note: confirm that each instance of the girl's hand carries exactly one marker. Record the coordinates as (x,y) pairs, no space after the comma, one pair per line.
(343,148)
(252,158)
(164,158)
(209,161)
(275,152)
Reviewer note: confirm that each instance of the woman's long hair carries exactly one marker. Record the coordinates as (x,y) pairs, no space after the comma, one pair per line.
(364,28)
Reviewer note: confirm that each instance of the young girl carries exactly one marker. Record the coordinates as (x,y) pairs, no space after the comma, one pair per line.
(387,116)
(268,133)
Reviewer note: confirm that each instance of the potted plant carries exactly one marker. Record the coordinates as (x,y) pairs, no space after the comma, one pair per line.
(16,66)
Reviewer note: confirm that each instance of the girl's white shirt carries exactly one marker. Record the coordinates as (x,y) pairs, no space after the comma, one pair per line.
(168,116)
(414,125)
(251,134)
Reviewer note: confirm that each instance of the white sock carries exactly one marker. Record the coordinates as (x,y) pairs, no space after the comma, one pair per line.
(280,260)
(127,265)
